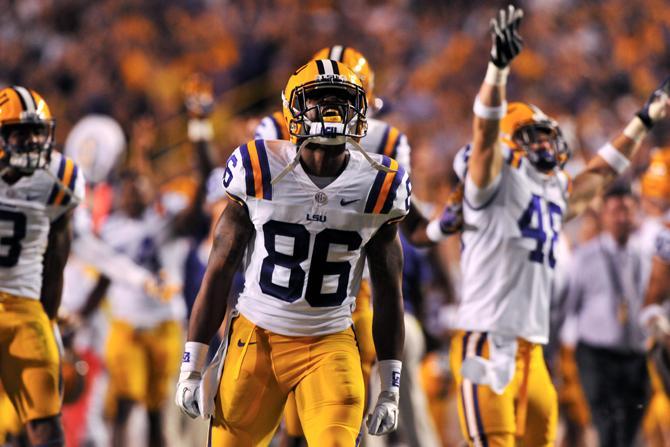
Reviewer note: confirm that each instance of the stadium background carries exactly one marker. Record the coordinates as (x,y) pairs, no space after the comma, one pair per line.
(587,62)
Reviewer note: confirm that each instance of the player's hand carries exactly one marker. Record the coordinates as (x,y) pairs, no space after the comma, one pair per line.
(451,220)
(384,418)
(193,363)
(656,107)
(188,390)
(507,42)
(198,96)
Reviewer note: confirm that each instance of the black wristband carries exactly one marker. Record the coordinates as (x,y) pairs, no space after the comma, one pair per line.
(646,120)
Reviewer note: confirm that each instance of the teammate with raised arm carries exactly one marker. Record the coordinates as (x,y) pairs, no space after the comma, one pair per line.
(291,329)
(38,190)
(516,199)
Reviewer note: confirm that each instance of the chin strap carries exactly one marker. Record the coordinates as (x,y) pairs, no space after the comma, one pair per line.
(374,164)
(291,166)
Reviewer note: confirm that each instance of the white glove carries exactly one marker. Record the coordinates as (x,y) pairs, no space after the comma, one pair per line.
(188,388)
(654,109)
(384,417)
(653,318)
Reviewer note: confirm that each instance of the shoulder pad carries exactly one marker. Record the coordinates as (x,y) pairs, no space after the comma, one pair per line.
(247,173)
(386,195)
(388,145)
(68,175)
(513,158)
(272,127)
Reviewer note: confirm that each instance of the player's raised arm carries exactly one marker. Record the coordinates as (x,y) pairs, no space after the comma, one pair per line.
(490,105)
(614,157)
(384,255)
(231,236)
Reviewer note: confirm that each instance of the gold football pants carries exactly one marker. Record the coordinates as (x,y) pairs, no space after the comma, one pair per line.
(362,318)
(143,362)
(527,411)
(10,424)
(29,359)
(260,370)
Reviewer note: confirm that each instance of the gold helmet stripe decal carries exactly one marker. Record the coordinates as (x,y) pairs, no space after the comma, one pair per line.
(336,53)
(26,98)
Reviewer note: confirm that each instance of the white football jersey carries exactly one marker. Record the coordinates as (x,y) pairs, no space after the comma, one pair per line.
(146,242)
(509,249)
(27,209)
(303,265)
(381,137)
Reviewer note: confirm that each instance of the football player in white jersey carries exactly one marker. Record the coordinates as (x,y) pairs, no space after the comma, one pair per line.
(516,199)
(385,139)
(307,212)
(38,189)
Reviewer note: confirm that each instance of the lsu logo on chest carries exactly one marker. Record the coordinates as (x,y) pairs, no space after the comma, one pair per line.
(316,217)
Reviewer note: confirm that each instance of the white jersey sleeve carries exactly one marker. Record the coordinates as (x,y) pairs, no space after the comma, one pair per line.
(235,179)
(272,127)
(398,188)
(69,186)
(461,161)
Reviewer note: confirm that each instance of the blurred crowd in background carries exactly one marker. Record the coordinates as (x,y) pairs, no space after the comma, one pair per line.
(589,64)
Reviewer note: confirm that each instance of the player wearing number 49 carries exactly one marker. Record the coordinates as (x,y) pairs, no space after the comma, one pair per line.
(516,199)
(38,190)
(308,212)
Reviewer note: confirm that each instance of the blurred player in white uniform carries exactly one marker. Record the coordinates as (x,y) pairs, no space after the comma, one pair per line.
(143,345)
(307,212)
(38,189)
(516,199)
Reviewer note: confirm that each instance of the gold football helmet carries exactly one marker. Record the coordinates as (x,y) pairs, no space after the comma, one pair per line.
(525,126)
(325,101)
(655,182)
(354,60)
(26,129)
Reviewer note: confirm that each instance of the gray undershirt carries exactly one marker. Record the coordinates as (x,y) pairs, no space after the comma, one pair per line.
(321,182)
